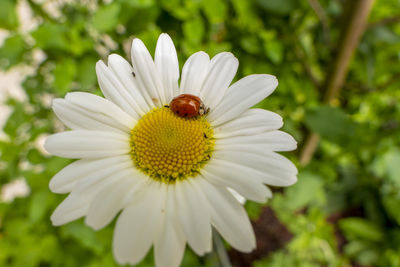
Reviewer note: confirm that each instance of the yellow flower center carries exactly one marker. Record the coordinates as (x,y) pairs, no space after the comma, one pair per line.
(167,147)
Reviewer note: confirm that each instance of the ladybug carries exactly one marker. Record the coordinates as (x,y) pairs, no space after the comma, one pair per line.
(188,106)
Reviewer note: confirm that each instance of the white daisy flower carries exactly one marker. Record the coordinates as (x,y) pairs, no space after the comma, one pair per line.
(164,163)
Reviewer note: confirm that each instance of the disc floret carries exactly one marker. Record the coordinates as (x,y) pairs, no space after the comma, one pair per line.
(168,147)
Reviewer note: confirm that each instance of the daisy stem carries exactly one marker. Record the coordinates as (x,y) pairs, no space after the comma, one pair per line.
(220,250)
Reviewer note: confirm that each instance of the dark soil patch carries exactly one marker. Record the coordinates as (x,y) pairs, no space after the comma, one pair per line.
(271,236)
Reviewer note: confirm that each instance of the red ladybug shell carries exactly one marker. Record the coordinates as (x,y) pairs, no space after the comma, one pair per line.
(187,106)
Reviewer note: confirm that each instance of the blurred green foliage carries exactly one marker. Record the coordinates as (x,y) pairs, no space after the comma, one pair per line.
(344,209)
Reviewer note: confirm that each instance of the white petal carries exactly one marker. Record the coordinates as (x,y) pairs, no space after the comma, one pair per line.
(170,244)
(194,216)
(96,103)
(167,65)
(146,74)
(66,179)
(77,203)
(103,177)
(87,144)
(222,69)
(238,196)
(108,202)
(241,96)
(114,90)
(250,122)
(229,217)
(270,167)
(270,141)
(123,71)
(135,229)
(72,208)
(79,118)
(243,180)
(194,72)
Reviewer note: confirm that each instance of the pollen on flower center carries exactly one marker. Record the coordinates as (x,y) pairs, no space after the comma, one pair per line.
(168,147)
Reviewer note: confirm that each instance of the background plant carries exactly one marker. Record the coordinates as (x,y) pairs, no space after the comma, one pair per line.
(344,209)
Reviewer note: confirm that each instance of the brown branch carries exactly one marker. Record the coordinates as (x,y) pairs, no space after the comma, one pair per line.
(309,148)
(334,80)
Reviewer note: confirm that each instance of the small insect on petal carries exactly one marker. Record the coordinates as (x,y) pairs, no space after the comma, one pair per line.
(188,106)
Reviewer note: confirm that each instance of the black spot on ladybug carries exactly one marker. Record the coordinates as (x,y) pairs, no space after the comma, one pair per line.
(134,75)
(186,114)
(177,112)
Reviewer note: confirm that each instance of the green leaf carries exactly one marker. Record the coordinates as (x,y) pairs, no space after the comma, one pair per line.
(138,3)
(250,44)
(106,17)
(246,20)
(85,235)
(8,14)
(86,75)
(272,46)
(359,228)
(51,36)
(274,51)
(79,43)
(391,202)
(12,51)
(369,257)
(34,156)
(17,118)
(353,248)
(331,123)
(308,190)
(215,10)
(391,164)
(383,34)
(17,228)
(64,74)
(194,30)
(278,6)
(38,206)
